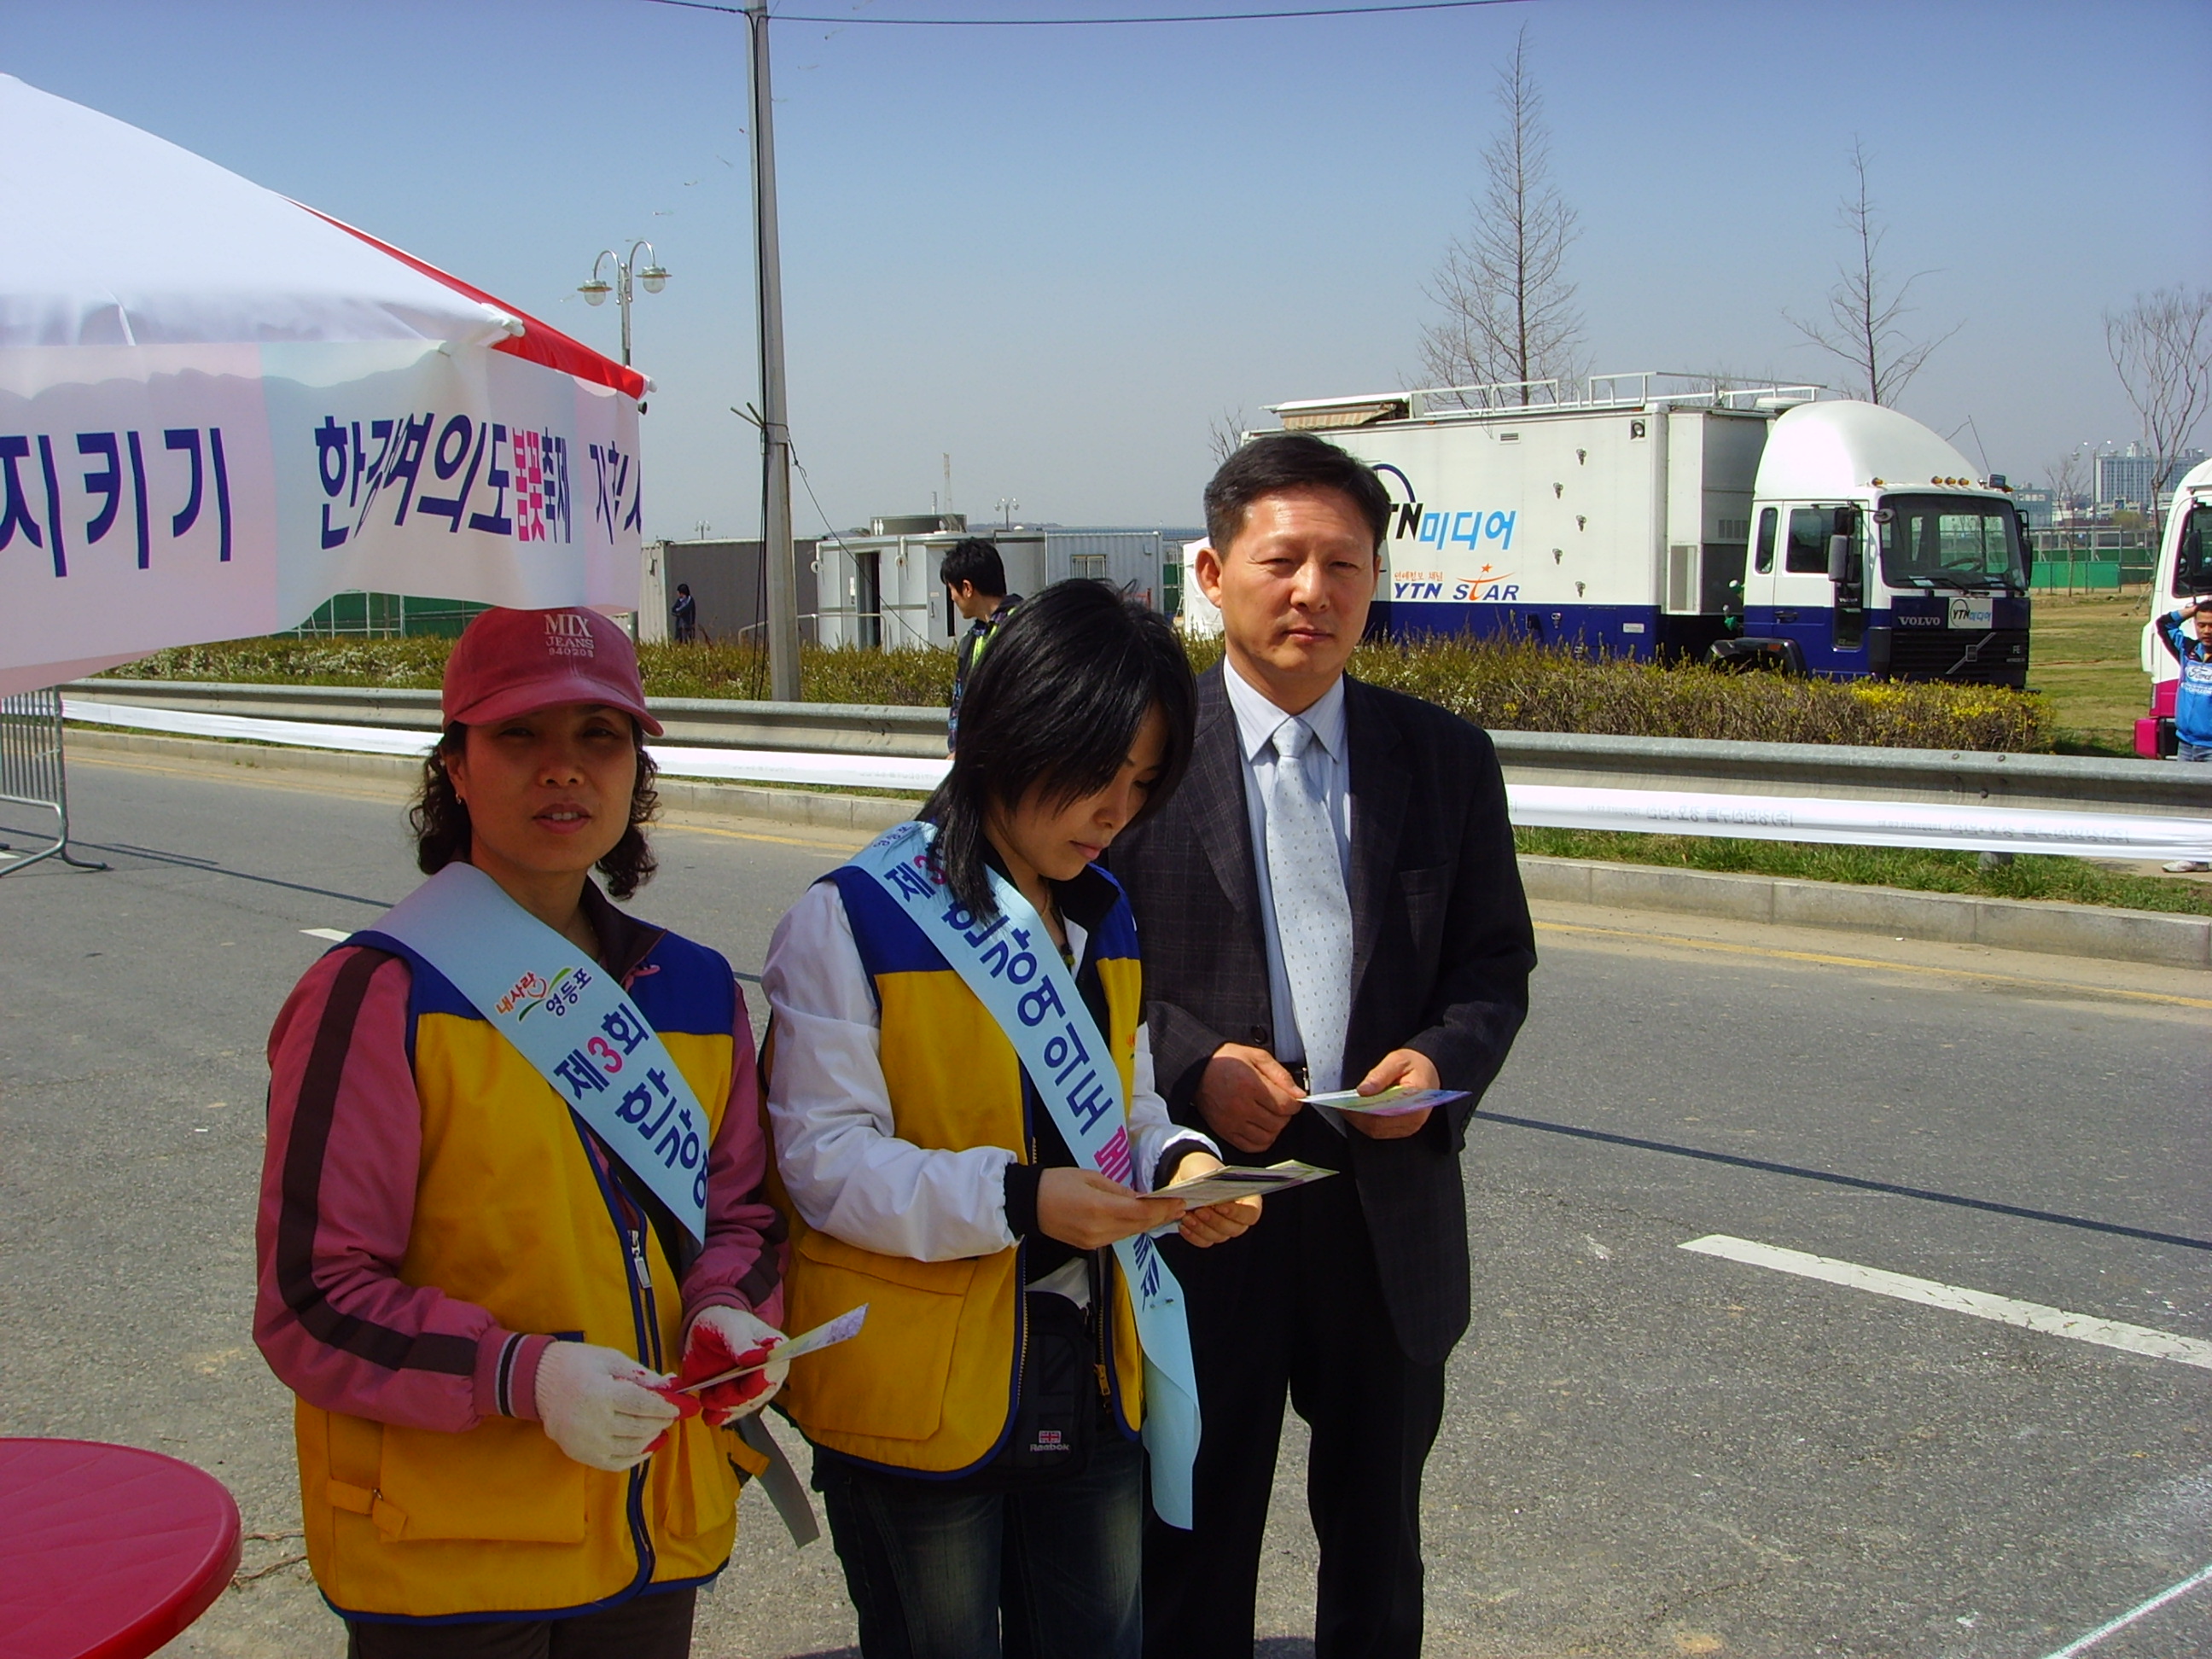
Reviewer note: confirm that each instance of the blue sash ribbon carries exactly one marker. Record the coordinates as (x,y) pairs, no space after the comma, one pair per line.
(572,1021)
(1034,998)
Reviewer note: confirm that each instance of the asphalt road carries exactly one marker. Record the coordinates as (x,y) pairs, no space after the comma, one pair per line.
(1647,1451)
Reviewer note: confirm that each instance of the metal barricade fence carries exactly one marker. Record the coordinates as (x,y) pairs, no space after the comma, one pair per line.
(32,773)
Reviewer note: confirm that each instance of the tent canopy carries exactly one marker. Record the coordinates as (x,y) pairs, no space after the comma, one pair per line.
(115,237)
(219,407)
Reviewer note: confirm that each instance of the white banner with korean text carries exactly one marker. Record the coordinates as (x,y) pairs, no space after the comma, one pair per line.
(160,495)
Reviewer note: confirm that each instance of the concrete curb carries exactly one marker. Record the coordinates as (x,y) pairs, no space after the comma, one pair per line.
(2073,930)
(2040,925)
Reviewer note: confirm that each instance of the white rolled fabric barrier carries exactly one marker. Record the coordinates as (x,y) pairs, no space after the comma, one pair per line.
(298,734)
(675,760)
(1643,812)
(1861,823)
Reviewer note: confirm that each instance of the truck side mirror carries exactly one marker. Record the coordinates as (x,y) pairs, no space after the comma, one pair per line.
(1840,562)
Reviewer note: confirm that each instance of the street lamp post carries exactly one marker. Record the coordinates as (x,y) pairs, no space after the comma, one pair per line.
(652,276)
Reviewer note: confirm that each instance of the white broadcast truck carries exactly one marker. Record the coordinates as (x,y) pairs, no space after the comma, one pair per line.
(2184,571)
(1655,515)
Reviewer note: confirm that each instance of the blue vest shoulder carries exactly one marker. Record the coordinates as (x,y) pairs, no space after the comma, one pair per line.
(1116,933)
(685,985)
(681,986)
(891,943)
(431,992)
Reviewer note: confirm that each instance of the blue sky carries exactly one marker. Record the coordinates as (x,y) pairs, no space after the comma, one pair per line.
(1058,253)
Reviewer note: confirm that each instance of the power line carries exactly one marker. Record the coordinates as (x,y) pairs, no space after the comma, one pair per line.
(1096,23)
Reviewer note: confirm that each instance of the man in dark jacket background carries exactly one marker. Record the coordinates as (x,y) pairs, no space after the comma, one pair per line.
(1330,901)
(975,578)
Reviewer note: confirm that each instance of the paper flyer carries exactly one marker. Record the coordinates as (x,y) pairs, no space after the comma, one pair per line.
(844,1328)
(1391,1103)
(1234,1180)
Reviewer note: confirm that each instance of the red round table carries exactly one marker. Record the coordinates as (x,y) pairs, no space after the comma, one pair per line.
(105,1552)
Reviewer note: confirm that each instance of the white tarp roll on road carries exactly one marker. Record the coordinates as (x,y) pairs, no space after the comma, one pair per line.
(1648,811)
(676,761)
(1861,823)
(219,408)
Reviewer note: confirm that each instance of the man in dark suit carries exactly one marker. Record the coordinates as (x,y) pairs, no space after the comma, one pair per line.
(1330,901)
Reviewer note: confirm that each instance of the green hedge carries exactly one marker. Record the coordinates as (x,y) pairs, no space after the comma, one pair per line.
(1506,685)
(1520,686)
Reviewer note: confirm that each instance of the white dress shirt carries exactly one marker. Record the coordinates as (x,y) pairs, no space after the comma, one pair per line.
(847,1173)
(1256,720)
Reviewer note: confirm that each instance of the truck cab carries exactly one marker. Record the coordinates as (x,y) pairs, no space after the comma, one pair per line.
(1876,551)
(2184,571)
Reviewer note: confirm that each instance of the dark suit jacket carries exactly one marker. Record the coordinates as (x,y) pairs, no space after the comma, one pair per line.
(1441,949)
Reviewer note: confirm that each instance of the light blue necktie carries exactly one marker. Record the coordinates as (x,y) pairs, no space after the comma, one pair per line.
(1313,914)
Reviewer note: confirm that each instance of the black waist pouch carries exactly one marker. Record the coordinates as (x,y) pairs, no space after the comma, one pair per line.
(1059,1412)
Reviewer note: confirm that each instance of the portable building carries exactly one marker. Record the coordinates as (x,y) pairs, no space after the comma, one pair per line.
(882,591)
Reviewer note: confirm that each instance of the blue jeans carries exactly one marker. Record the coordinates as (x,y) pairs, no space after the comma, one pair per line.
(937,1571)
(2191,751)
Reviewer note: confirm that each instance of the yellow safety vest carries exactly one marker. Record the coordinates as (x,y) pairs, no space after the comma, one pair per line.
(930,1383)
(512,1213)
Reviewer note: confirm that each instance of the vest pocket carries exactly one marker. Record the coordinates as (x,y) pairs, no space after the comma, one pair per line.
(694,1489)
(889,1381)
(503,1480)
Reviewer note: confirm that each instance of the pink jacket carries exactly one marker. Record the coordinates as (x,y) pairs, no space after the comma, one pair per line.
(366,1343)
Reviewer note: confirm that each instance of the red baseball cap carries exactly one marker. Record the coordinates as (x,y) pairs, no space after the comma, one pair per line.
(510,662)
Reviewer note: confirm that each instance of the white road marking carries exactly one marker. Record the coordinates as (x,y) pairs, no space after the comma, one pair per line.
(2082,1644)
(2029,1315)
(330,933)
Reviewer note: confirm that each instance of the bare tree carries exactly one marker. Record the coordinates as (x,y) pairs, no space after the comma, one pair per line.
(1508,308)
(2162,347)
(1225,435)
(2068,477)
(1864,324)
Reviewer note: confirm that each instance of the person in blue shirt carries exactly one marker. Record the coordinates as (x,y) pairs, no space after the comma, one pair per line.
(2187,631)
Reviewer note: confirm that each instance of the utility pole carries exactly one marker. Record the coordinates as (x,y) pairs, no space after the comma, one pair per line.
(775,430)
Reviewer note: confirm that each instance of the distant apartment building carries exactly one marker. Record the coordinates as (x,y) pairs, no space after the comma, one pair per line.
(2123,479)
(2129,478)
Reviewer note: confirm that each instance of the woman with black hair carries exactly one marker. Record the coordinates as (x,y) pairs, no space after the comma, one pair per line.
(512,1180)
(961,1095)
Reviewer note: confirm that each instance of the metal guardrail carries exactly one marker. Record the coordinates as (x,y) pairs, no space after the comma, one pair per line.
(32,772)
(2048,782)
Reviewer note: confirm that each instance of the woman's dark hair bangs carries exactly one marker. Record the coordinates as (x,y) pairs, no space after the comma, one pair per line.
(1052,708)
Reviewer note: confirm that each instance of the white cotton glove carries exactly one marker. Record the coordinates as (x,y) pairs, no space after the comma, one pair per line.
(740,1333)
(598,1406)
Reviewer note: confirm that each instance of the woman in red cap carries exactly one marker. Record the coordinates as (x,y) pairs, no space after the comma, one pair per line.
(513,1180)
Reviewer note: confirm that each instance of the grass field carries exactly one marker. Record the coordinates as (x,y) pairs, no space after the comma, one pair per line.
(2085,657)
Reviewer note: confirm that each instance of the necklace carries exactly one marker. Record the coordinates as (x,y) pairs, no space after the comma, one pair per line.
(1056,925)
